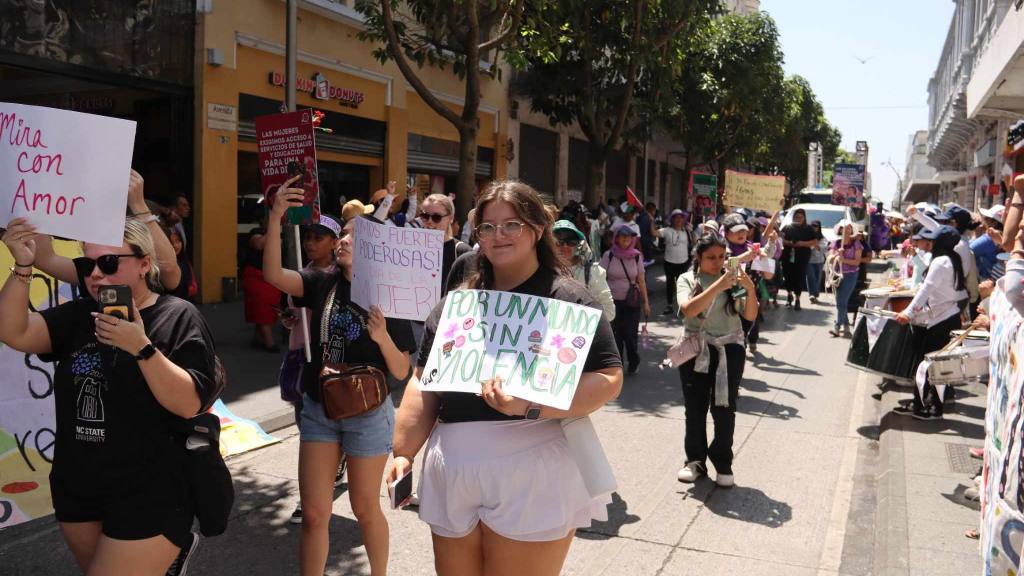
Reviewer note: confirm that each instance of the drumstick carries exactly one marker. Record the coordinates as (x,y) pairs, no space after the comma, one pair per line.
(956,342)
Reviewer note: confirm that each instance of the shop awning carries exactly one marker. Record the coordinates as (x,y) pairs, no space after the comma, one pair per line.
(921,191)
(997,84)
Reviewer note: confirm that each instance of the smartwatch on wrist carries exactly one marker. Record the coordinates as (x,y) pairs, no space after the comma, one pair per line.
(146,353)
(533,411)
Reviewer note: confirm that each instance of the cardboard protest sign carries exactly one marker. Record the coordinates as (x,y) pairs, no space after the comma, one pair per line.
(66,172)
(537,345)
(287,148)
(753,191)
(848,187)
(396,269)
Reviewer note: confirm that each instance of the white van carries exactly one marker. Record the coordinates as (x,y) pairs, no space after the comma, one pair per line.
(828,214)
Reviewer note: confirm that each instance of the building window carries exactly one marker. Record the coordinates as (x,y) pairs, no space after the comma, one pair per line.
(538,155)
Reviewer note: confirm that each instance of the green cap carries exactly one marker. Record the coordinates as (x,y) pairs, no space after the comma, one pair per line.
(566,225)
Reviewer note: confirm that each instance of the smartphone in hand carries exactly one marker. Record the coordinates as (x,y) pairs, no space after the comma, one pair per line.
(117,301)
(400,490)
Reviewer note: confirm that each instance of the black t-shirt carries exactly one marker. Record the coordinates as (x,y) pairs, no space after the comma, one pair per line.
(798,233)
(466,407)
(348,337)
(112,433)
(453,249)
(462,268)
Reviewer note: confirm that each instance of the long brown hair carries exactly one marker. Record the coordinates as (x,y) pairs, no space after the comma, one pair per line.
(529,207)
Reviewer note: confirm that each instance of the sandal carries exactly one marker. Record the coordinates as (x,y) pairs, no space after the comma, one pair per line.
(972,534)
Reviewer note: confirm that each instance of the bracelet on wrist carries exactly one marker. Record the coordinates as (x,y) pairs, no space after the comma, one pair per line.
(29,265)
(22,277)
(143,213)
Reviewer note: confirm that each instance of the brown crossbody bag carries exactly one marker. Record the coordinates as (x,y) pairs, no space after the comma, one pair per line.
(347,391)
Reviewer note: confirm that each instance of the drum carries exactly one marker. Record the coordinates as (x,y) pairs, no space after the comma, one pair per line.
(881,346)
(975,339)
(900,300)
(958,367)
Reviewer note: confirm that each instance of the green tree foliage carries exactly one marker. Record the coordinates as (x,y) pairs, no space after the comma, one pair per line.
(439,34)
(803,122)
(588,61)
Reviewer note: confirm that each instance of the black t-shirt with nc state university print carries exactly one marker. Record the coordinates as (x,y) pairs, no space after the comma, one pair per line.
(112,434)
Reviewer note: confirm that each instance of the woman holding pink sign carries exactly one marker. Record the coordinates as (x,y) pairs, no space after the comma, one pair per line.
(500,489)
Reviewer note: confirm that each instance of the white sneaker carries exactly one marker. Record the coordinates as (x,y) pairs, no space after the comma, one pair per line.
(725,480)
(691,472)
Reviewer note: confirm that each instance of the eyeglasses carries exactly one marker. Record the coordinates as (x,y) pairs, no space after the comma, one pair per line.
(433,217)
(510,229)
(570,241)
(108,264)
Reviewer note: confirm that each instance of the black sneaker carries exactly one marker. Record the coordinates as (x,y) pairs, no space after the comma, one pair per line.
(796,306)
(180,565)
(927,415)
(904,410)
(296,517)
(667,311)
(752,346)
(633,368)
(339,478)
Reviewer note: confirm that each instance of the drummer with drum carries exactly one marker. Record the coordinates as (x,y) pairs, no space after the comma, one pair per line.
(937,306)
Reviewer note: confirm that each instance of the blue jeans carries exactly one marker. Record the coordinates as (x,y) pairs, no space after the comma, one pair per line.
(814,279)
(843,294)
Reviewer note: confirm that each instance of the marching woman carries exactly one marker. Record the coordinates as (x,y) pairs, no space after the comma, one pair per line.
(628,280)
(356,338)
(121,389)
(438,213)
(848,251)
(500,490)
(816,264)
(798,239)
(711,380)
(936,306)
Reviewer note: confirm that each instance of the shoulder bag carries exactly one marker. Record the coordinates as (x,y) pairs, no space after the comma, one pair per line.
(633,297)
(208,476)
(687,345)
(347,391)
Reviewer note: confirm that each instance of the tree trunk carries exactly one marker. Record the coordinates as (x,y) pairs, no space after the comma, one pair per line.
(597,159)
(684,201)
(465,183)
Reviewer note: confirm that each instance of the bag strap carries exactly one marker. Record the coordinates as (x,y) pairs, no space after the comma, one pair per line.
(325,320)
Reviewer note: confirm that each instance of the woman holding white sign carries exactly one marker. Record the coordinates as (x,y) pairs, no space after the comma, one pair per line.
(122,386)
(500,490)
(438,213)
(353,347)
(711,379)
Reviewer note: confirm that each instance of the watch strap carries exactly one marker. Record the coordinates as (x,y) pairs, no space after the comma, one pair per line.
(533,411)
(146,352)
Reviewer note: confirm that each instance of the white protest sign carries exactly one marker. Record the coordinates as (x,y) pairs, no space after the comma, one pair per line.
(66,172)
(396,269)
(763,264)
(537,345)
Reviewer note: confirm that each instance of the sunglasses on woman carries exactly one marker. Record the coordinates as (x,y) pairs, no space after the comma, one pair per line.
(572,241)
(108,264)
(435,218)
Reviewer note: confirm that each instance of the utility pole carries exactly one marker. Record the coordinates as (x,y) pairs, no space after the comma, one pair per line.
(291,49)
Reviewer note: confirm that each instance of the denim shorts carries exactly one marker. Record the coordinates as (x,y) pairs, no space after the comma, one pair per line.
(366,435)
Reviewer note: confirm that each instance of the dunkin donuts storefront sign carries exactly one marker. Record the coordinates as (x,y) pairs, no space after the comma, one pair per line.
(321,88)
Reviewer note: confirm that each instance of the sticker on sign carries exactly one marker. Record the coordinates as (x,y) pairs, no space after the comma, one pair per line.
(538,346)
(65,171)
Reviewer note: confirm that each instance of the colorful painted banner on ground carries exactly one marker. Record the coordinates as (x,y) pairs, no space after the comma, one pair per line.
(753,191)
(286,149)
(238,435)
(1002,496)
(538,346)
(66,172)
(396,269)
(704,188)
(27,418)
(848,186)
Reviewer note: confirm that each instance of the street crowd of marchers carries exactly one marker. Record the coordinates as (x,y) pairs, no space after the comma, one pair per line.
(501,488)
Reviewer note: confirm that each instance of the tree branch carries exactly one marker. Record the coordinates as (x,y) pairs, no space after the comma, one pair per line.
(410,75)
(631,77)
(516,11)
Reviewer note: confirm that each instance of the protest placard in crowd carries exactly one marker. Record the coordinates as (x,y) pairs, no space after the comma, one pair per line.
(66,172)
(538,346)
(753,191)
(396,269)
(287,148)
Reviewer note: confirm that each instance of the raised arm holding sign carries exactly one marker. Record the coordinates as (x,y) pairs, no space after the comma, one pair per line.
(64,171)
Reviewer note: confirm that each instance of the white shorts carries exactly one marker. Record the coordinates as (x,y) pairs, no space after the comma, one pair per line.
(517,477)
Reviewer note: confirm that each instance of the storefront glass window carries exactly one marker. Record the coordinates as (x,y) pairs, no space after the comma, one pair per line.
(145,38)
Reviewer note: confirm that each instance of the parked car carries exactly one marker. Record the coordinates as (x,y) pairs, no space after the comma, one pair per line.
(828,214)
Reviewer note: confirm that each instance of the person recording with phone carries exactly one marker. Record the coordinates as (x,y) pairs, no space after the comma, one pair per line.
(711,380)
(122,386)
(344,338)
(500,488)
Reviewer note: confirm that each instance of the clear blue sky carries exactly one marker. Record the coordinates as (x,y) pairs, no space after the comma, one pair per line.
(883,101)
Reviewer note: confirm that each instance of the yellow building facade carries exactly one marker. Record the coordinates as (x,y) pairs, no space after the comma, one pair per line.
(382,130)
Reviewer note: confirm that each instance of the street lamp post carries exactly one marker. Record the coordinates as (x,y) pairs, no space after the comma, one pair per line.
(899,181)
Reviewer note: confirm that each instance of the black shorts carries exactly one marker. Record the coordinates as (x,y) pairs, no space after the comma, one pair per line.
(132,516)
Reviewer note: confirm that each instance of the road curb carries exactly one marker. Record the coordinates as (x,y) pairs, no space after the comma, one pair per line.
(276,420)
(892,539)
